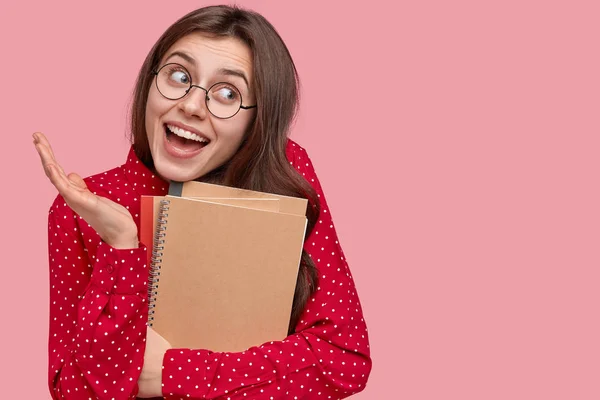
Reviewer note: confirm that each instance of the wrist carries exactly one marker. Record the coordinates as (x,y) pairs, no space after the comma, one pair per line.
(124,244)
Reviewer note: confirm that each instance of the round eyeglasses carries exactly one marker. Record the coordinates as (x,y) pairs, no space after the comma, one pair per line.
(223,100)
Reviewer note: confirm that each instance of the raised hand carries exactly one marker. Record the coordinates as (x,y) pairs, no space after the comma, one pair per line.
(112,221)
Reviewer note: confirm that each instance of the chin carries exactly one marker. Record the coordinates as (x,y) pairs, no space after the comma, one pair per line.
(171,172)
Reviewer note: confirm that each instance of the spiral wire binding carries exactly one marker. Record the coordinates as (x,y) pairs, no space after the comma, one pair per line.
(156,259)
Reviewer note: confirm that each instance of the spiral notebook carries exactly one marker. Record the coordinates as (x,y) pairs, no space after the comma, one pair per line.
(224,266)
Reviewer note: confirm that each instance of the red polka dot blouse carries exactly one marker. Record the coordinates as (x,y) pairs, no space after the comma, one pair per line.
(99,311)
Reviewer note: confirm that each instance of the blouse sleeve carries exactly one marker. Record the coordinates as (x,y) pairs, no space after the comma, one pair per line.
(328,356)
(98,312)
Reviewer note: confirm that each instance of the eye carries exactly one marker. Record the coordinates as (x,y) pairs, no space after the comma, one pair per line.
(175,75)
(225,93)
(180,77)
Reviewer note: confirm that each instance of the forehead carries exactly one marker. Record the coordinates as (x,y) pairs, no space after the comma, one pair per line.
(214,52)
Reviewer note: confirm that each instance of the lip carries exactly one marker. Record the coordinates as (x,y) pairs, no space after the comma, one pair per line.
(178,153)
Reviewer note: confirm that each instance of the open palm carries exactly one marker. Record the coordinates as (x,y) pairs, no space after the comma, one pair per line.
(112,221)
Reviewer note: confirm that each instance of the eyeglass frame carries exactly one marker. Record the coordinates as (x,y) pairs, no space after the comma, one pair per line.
(206,98)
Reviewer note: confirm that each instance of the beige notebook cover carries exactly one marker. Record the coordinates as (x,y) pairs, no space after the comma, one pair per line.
(267,204)
(289,205)
(225,273)
(150,206)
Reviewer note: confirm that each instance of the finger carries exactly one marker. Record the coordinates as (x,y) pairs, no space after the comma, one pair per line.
(44,152)
(39,137)
(47,157)
(76,194)
(77,181)
(80,199)
(62,182)
(42,142)
(84,194)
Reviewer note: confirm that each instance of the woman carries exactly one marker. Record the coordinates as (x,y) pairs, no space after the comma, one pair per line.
(213,102)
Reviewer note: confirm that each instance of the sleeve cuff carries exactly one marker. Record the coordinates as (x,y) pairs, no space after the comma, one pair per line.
(121,271)
(181,364)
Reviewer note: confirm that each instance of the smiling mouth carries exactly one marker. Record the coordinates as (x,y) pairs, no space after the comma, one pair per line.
(184,140)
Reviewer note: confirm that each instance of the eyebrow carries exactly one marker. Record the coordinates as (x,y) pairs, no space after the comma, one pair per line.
(221,71)
(185,56)
(234,72)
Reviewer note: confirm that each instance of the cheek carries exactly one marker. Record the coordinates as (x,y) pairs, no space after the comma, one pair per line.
(155,107)
(232,133)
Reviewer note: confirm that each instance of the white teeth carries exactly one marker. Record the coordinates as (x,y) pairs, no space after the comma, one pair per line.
(186,134)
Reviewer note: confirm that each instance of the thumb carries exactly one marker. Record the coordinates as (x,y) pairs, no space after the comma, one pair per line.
(77,180)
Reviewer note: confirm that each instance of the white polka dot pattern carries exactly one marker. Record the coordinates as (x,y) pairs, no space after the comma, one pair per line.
(98,314)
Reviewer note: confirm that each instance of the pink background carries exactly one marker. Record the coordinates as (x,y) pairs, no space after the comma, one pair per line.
(457,143)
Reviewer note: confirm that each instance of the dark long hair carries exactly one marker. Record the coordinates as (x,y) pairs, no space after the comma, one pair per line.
(260,163)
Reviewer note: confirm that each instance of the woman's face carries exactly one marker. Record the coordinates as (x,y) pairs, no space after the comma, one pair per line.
(186,140)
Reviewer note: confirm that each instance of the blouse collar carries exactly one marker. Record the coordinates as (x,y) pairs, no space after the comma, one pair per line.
(142,179)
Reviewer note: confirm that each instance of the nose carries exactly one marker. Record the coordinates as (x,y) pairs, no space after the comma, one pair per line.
(194,102)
